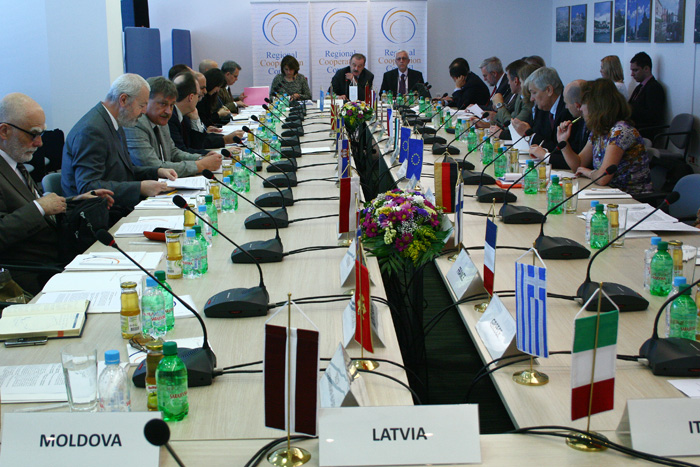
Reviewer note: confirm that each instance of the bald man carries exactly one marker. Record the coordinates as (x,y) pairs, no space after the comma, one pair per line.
(28,228)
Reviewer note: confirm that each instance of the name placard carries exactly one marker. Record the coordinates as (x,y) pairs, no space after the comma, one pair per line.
(464,277)
(104,439)
(350,322)
(341,384)
(405,435)
(347,265)
(665,427)
(496,328)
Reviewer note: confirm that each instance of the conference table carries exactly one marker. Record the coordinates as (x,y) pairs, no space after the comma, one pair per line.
(225,425)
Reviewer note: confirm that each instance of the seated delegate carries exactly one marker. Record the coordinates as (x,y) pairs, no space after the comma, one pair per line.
(613,140)
(290,81)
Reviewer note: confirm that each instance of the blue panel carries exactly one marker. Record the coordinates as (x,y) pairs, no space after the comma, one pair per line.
(182,47)
(142,51)
(128,17)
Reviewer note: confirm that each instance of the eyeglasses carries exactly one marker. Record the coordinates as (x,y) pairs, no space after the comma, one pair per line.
(402,58)
(31,134)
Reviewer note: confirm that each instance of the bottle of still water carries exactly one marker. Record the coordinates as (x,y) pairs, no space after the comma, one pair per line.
(168,299)
(648,255)
(203,249)
(229,199)
(206,228)
(113,386)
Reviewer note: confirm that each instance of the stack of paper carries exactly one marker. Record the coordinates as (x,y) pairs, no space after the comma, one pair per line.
(188,183)
(603,193)
(114,261)
(149,224)
(32,383)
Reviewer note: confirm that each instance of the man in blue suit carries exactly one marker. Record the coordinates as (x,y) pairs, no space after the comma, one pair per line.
(95,153)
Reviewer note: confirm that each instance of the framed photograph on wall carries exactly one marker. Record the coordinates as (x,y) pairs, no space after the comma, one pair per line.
(602,22)
(563,24)
(669,20)
(619,21)
(697,21)
(638,21)
(578,23)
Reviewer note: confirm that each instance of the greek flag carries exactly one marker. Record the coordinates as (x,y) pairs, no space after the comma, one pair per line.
(531,309)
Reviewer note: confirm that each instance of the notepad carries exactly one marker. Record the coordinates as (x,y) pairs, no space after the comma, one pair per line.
(50,319)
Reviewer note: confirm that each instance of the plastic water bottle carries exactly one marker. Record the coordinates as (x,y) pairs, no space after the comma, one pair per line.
(113,386)
(171,381)
(599,228)
(206,228)
(248,159)
(661,271)
(471,138)
(501,164)
(239,175)
(531,180)
(683,316)
(203,249)
(168,300)
(648,255)
(486,151)
(678,283)
(275,150)
(190,256)
(213,215)
(555,195)
(153,321)
(589,216)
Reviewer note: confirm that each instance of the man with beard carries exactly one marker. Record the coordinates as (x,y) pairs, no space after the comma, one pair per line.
(95,154)
(28,229)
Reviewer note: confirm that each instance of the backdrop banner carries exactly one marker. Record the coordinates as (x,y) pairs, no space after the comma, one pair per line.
(279,29)
(395,26)
(337,32)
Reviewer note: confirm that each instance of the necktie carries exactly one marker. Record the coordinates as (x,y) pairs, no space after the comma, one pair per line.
(551,121)
(402,84)
(161,153)
(636,92)
(27,178)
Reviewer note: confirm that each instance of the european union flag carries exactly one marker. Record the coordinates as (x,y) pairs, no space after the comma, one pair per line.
(405,136)
(415,158)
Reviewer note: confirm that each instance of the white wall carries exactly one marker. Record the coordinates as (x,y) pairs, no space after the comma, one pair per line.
(64,64)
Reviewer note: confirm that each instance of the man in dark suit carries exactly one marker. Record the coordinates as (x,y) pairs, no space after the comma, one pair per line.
(469,89)
(648,100)
(354,75)
(28,228)
(402,80)
(492,72)
(95,154)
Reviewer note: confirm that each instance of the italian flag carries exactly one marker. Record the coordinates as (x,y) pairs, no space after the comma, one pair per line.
(589,352)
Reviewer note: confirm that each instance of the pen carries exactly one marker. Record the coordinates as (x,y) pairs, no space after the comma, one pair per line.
(576,120)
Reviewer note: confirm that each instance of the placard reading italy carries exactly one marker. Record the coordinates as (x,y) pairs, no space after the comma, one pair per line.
(398,26)
(279,29)
(338,30)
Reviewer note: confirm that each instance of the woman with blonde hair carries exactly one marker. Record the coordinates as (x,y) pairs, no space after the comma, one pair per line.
(611,68)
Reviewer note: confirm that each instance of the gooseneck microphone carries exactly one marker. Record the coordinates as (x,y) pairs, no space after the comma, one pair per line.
(274,180)
(486,194)
(278,199)
(157,433)
(292,135)
(561,247)
(293,147)
(233,303)
(200,362)
(625,298)
(468,176)
(523,214)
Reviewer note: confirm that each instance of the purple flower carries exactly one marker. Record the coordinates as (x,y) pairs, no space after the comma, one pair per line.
(422,212)
(403,241)
(370,229)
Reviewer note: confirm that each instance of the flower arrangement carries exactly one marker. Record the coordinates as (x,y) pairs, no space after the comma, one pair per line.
(402,228)
(354,113)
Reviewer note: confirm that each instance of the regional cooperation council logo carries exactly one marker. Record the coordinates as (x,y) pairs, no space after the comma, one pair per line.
(339,26)
(280,27)
(399,26)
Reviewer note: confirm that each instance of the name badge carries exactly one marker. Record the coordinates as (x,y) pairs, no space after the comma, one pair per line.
(665,427)
(104,439)
(404,435)
(464,277)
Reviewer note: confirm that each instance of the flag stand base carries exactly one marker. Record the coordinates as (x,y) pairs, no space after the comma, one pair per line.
(453,257)
(481,307)
(583,442)
(291,457)
(365,364)
(531,378)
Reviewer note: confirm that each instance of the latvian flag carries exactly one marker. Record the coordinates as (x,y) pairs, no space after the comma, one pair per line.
(531,309)
(349,188)
(490,255)
(301,377)
(363,307)
(446,174)
(459,204)
(583,360)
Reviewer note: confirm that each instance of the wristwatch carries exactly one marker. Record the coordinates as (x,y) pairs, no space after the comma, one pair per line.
(498,106)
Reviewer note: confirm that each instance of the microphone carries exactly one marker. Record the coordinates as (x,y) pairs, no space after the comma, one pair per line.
(672,356)
(472,178)
(294,133)
(625,298)
(440,149)
(432,131)
(288,165)
(157,433)
(293,146)
(561,247)
(292,136)
(234,303)
(523,214)
(200,362)
(279,199)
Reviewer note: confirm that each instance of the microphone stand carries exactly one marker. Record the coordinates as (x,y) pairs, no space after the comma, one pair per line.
(561,247)
(200,362)
(279,199)
(625,298)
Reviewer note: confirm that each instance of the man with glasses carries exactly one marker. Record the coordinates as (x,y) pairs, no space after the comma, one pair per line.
(95,154)
(403,80)
(28,228)
(231,71)
(354,75)
(149,141)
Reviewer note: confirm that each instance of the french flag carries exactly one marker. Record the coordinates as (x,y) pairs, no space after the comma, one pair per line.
(490,255)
